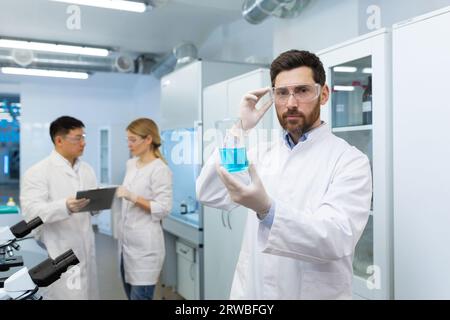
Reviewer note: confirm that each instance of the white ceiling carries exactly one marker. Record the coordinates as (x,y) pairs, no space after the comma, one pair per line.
(155,31)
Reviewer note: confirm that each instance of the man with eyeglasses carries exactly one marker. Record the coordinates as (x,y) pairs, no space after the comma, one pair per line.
(48,191)
(308,194)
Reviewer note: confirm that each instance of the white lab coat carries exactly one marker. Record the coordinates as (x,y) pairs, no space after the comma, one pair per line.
(322,193)
(45,188)
(141,238)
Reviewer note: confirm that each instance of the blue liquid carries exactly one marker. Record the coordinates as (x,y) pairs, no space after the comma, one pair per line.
(234,159)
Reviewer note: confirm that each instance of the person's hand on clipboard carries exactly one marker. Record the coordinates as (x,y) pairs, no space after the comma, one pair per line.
(76,205)
(94,200)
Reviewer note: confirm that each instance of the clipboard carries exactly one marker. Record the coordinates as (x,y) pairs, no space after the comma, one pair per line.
(101,199)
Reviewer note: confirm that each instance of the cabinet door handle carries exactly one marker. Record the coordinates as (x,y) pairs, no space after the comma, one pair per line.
(192,272)
(198,125)
(223,221)
(228,218)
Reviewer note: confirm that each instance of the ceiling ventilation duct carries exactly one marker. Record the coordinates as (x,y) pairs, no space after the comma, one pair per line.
(256,11)
(181,55)
(22,57)
(125,64)
(156,3)
(120,63)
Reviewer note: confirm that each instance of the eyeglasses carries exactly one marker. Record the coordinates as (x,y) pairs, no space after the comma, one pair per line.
(301,92)
(76,139)
(135,140)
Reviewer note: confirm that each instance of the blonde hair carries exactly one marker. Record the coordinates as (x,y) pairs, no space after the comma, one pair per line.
(145,127)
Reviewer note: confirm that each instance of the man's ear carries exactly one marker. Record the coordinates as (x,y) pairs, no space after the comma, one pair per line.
(58,140)
(325,95)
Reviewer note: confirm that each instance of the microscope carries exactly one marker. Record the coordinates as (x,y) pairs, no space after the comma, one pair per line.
(25,283)
(8,242)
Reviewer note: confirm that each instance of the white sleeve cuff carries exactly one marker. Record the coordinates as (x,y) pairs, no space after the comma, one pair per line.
(264,227)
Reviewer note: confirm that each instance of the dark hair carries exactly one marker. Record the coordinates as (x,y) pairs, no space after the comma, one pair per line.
(63,125)
(294,59)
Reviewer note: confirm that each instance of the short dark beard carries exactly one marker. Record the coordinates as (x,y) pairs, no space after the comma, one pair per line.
(307,125)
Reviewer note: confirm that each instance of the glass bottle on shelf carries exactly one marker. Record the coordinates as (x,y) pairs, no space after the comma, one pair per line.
(355,110)
(340,109)
(367,103)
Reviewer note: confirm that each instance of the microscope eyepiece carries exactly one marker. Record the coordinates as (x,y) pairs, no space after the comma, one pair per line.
(23,228)
(50,270)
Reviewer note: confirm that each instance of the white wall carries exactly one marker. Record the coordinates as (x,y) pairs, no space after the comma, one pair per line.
(398,10)
(240,41)
(103,100)
(147,95)
(323,23)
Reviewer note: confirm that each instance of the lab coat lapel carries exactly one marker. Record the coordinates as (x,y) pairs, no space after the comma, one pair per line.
(313,137)
(63,165)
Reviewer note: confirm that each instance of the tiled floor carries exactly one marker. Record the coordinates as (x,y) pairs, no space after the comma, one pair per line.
(110,285)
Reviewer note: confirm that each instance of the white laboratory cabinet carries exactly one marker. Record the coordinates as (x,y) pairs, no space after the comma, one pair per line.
(104,219)
(223,231)
(182,90)
(181,124)
(359,111)
(112,157)
(421,69)
(188,273)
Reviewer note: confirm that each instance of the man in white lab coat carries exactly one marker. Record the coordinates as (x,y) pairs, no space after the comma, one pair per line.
(308,193)
(48,191)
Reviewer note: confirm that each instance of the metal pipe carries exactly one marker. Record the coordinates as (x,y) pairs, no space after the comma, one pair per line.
(60,61)
(181,55)
(256,11)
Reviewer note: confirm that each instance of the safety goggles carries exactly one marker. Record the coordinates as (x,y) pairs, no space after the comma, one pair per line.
(76,139)
(301,92)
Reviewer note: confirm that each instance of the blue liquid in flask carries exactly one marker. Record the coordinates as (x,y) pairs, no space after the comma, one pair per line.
(234,159)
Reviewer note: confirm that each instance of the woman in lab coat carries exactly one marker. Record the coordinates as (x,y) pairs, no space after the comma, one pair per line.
(147,198)
(308,193)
